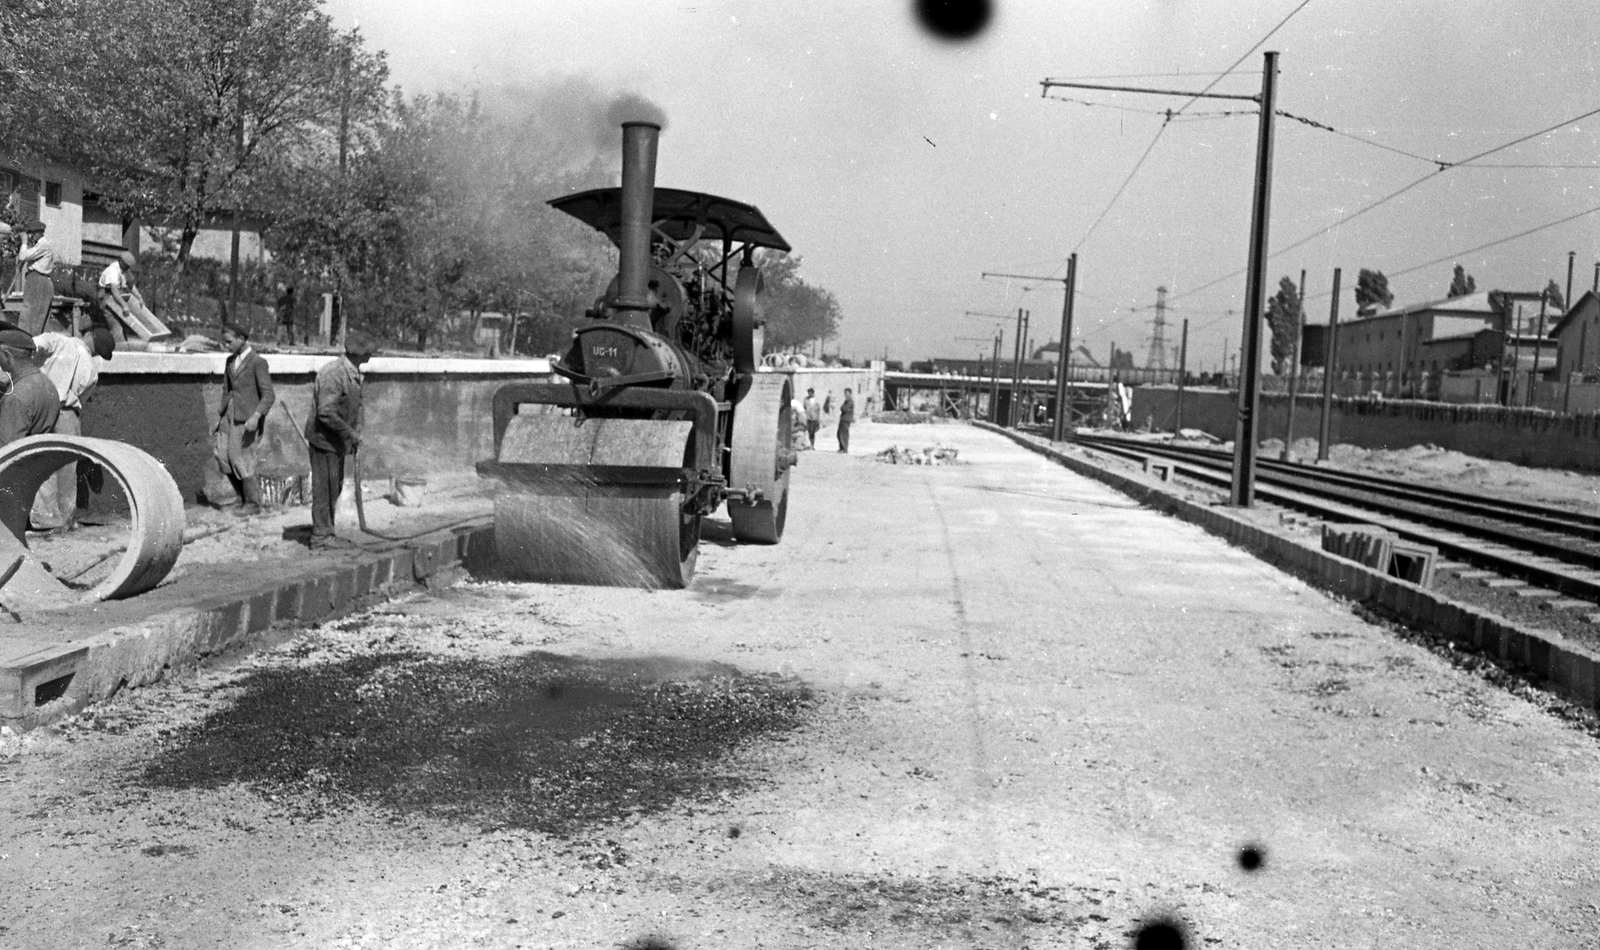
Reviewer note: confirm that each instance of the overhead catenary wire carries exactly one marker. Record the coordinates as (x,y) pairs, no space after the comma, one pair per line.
(1170,116)
(1372,206)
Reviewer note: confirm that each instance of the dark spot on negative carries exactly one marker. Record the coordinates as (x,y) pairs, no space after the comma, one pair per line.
(1252,857)
(1161,933)
(954,19)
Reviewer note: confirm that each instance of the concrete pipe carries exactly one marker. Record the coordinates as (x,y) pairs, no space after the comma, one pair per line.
(154,504)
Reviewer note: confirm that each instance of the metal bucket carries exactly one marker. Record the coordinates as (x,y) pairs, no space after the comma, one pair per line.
(408,491)
(281,491)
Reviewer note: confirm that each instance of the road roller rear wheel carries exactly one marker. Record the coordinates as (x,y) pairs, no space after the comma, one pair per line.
(761,459)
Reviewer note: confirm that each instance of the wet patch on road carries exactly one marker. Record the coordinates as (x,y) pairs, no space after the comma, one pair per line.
(540,741)
(976,911)
(723,589)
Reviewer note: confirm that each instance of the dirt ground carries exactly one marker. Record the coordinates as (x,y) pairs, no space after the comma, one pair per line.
(275,538)
(985,704)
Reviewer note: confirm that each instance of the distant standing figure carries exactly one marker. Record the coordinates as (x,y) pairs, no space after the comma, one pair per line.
(813,416)
(38,281)
(827,404)
(247,397)
(847,415)
(31,404)
(285,307)
(334,431)
(72,364)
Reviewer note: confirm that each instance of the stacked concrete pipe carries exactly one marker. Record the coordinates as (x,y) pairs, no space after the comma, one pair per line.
(154,504)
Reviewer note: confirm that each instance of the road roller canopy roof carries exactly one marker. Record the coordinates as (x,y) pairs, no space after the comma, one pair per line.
(678,214)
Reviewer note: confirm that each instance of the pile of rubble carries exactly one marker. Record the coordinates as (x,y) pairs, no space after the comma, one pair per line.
(931,455)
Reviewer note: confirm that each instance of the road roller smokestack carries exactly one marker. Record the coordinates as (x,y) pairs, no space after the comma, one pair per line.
(660,415)
(639,144)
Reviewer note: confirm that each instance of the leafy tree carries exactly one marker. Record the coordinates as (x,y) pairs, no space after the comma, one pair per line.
(1372,292)
(1461,283)
(185,110)
(1121,359)
(1552,293)
(796,312)
(1284,319)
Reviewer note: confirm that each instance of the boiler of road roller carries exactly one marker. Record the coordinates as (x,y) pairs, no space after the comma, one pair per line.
(660,414)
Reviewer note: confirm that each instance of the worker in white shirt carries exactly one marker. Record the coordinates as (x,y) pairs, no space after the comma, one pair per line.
(73,365)
(38,261)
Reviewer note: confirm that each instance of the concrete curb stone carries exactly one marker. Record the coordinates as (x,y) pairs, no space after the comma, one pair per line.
(1565,668)
(135,654)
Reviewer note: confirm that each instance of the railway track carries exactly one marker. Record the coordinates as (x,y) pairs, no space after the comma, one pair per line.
(1527,551)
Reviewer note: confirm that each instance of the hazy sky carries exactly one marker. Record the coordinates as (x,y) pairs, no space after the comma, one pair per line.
(900,167)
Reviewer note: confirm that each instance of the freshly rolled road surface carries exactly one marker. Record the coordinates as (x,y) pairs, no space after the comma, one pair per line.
(155,505)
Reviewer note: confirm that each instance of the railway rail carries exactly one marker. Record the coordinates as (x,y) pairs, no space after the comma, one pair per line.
(1498,542)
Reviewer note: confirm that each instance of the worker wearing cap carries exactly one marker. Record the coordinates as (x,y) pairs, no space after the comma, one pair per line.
(30,405)
(72,364)
(117,292)
(334,431)
(247,397)
(38,281)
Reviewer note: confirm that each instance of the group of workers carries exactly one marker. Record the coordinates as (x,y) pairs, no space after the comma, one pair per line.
(332,432)
(814,411)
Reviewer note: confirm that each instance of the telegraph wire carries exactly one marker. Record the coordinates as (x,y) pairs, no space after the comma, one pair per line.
(1443,167)
(1124,186)
(1258,44)
(1179,111)
(1387,148)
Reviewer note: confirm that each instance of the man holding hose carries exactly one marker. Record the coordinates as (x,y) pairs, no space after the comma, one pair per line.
(334,431)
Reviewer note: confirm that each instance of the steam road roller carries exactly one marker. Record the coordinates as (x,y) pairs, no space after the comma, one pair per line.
(659,415)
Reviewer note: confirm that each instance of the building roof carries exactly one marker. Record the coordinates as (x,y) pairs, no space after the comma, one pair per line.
(1470,303)
(1572,311)
(1462,335)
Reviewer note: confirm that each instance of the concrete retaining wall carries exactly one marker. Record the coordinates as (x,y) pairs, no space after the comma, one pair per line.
(1567,669)
(423,416)
(1524,436)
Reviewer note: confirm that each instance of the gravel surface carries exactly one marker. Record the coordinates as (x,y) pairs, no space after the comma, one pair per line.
(981,705)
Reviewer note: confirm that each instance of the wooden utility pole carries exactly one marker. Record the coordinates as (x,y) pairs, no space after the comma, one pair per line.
(1572,258)
(994,378)
(1244,442)
(1183,370)
(1016,371)
(1063,421)
(1330,360)
(1538,349)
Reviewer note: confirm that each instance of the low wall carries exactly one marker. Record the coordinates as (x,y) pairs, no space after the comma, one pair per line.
(865,384)
(1525,436)
(422,416)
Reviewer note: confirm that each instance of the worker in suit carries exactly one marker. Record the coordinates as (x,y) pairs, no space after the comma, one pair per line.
(247,396)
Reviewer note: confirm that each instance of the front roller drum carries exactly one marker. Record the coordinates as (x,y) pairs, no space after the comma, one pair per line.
(620,536)
(597,501)
(761,459)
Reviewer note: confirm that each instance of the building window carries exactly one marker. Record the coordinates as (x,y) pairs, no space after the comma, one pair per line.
(52,193)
